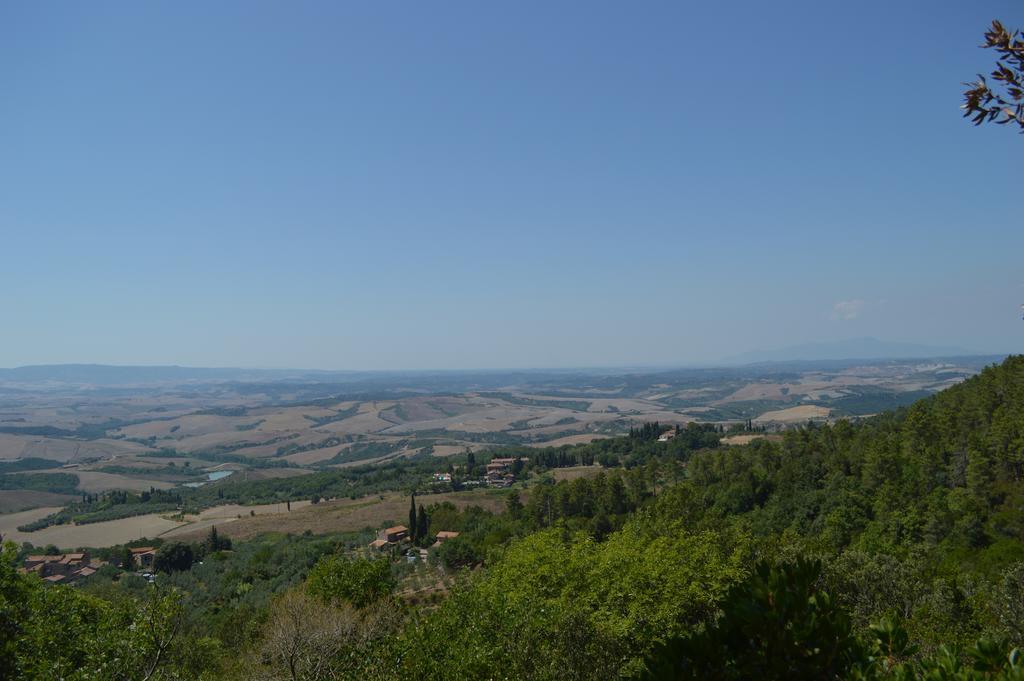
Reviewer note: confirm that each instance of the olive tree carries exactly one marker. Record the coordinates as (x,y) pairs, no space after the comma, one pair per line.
(1005,104)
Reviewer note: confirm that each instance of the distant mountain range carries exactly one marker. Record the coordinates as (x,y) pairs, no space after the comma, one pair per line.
(853,348)
(113,375)
(55,376)
(105,374)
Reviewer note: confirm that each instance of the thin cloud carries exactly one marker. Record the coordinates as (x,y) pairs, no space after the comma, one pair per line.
(847,309)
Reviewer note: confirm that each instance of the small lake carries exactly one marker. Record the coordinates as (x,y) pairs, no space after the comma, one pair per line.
(210,477)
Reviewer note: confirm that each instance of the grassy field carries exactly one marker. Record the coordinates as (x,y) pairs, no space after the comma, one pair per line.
(12,500)
(94,481)
(344,515)
(92,535)
(241,522)
(24,446)
(574,472)
(570,440)
(799,414)
(746,439)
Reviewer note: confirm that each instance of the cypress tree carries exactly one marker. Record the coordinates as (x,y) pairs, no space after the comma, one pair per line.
(127,563)
(412,517)
(514,506)
(212,543)
(422,525)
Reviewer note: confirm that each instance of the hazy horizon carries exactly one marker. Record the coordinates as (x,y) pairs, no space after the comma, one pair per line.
(471,187)
(809,353)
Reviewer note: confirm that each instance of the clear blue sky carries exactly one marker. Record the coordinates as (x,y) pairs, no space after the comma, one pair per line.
(525,184)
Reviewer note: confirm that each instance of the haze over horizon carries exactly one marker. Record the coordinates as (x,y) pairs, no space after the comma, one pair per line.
(469,187)
(852,349)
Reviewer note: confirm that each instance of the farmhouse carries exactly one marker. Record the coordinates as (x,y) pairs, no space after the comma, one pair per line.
(395,534)
(444,536)
(143,556)
(389,537)
(667,435)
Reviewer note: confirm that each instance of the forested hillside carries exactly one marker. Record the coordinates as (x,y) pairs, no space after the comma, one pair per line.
(914,516)
(887,548)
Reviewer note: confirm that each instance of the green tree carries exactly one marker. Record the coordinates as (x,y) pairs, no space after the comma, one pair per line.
(337,579)
(514,506)
(124,558)
(14,610)
(214,542)
(422,525)
(775,625)
(413,526)
(173,557)
(559,605)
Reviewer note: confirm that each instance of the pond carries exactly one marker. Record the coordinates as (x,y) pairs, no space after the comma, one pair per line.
(210,477)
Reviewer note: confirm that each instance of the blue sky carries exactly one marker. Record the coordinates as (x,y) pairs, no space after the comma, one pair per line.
(468,185)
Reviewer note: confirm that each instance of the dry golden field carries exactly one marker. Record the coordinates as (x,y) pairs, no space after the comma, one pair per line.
(12,500)
(747,438)
(575,472)
(798,414)
(91,535)
(343,515)
(570,440)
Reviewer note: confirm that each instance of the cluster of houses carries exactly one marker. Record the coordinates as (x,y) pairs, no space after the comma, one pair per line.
(394,537)
(66,568)
(62,569)
(501,473)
